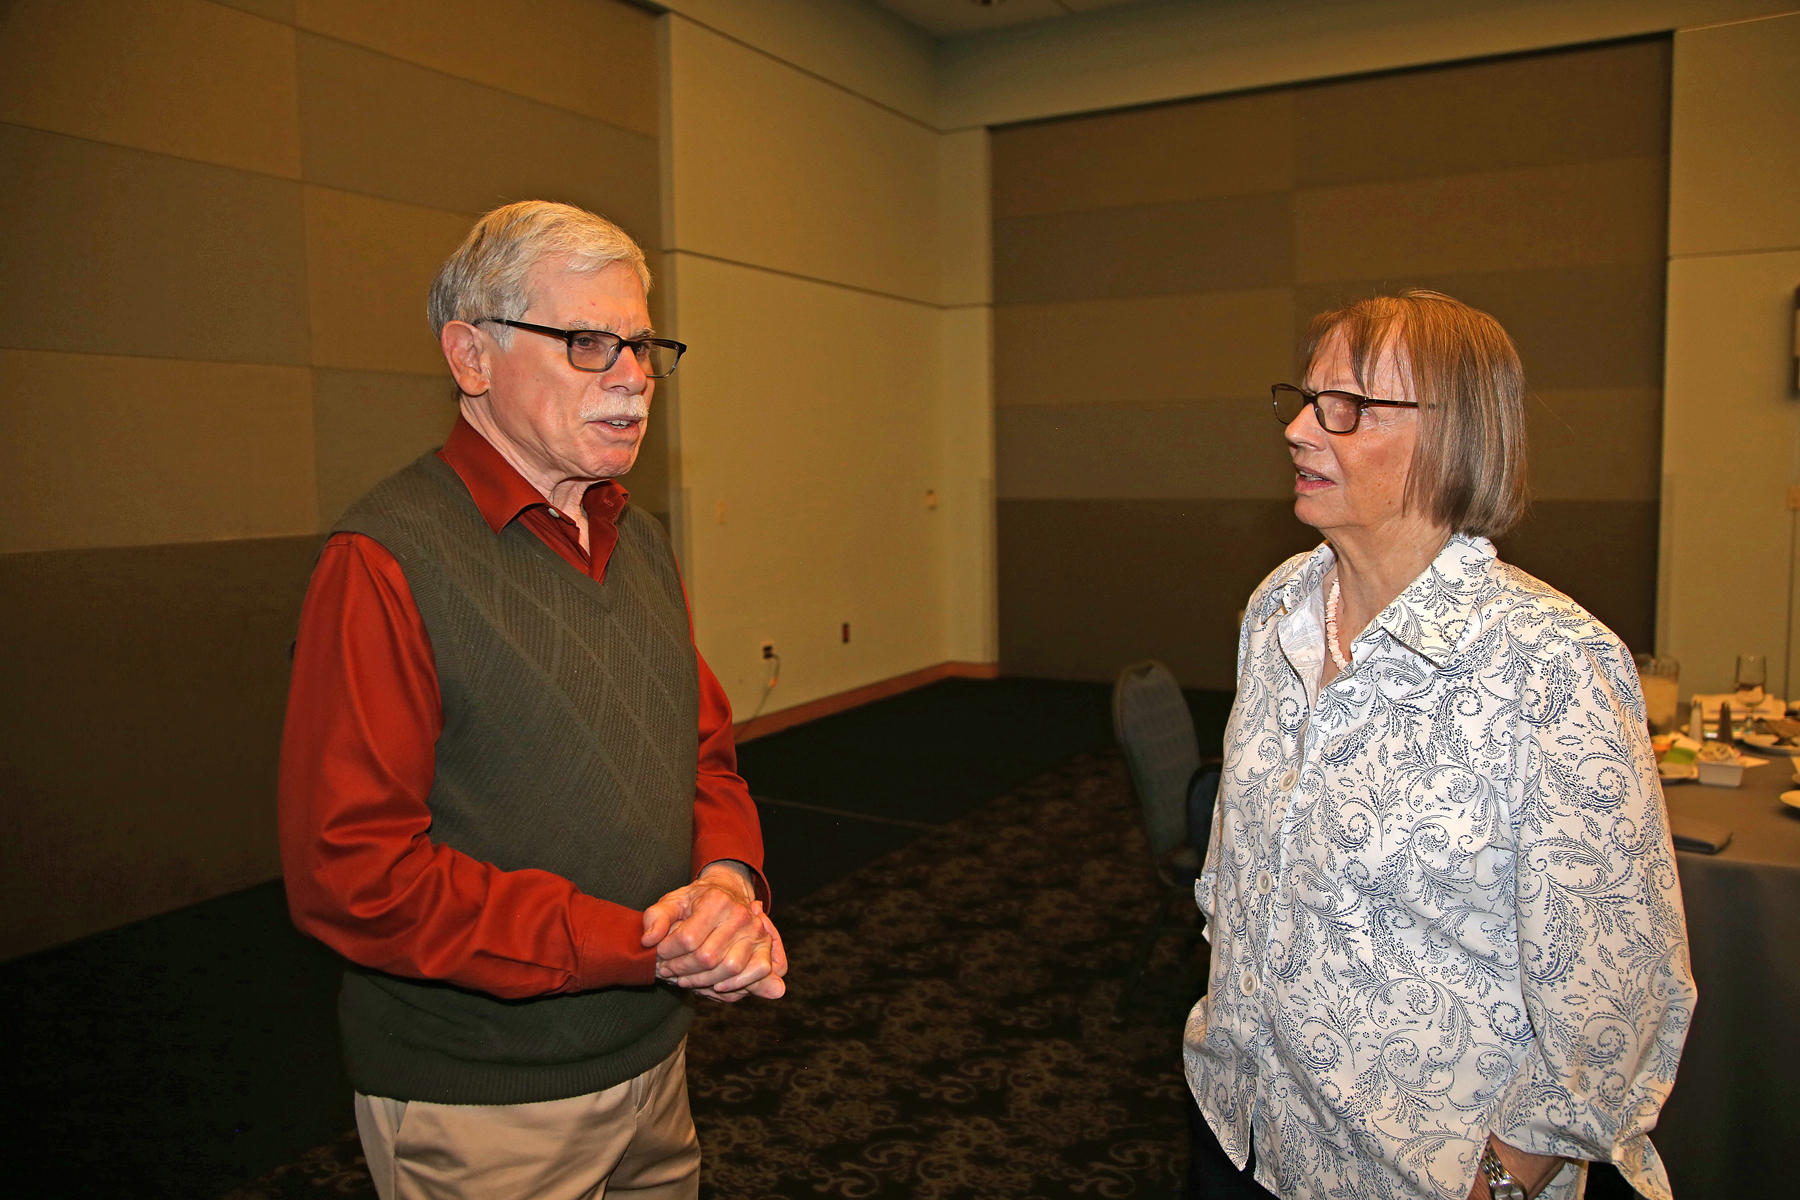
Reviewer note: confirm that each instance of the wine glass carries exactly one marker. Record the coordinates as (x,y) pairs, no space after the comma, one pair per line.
(1752,674)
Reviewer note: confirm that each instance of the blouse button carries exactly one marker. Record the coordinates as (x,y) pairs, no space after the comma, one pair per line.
(1288,781)
(1264,882)
(1247,983)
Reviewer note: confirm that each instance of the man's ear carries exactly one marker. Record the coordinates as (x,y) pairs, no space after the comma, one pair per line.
(467,356)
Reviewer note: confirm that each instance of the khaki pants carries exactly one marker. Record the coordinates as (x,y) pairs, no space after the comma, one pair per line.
(635,1139)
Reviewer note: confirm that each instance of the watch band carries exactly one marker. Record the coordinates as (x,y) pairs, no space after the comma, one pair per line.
(1500,1181)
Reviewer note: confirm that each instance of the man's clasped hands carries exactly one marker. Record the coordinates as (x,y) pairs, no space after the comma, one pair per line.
(712,937)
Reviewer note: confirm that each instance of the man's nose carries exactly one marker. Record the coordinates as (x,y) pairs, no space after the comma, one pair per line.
(626,373)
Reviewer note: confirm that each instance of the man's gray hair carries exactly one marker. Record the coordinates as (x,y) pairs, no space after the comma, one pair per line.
(487,274)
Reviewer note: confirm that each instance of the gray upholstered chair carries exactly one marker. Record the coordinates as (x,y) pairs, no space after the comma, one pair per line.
(1156,731)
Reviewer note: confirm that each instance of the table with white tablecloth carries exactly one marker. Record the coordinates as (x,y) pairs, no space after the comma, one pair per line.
(1732,1126)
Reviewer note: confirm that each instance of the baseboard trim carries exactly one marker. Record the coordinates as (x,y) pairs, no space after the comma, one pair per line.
(825,706)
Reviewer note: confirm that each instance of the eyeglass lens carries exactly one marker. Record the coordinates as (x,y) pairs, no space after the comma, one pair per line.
(598,351)
(1338,411)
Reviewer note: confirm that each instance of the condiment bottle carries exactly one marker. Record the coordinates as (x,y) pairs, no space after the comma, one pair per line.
(1697,722)
(1725,721)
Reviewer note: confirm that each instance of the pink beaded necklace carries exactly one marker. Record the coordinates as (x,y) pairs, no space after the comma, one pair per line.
(1331,628)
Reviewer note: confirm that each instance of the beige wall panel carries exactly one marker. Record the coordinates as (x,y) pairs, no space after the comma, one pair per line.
(820,462)
(406,133)
(1145,54)
(144,704)
(1237,145)
(964,472)
(1087,586)
(596,57)
(1204,449)
(1145,348)
(1165,578)
(275,10)
(1731,428)
(965,218)
(1575,106)
(1575,327)
(181,77)
(1735,173)
(367,425)
(116,251)
(1604,444)
(1601,553)
(777,169)
(98,450)
(856,46)
(369,264)
(1221,244)
(1584,213)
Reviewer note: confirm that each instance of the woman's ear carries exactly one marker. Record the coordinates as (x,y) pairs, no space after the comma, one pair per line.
(467,355)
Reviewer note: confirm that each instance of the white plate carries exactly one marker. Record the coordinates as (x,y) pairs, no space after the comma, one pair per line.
(1766,743)
(1676,772)
(1791,799)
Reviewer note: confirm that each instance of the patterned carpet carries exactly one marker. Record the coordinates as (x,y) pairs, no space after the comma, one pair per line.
(949,1034)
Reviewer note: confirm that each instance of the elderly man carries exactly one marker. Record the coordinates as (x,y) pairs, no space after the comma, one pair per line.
(508,786)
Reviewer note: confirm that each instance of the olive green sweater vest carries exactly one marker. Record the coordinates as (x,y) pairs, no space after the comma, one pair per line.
(571,717)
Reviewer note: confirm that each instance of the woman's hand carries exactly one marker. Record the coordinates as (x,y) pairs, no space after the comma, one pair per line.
(1533,1171)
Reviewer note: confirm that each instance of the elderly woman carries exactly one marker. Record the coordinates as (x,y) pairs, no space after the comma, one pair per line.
(1449,957)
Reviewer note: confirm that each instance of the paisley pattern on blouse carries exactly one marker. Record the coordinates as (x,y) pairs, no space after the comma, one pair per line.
(1440,892)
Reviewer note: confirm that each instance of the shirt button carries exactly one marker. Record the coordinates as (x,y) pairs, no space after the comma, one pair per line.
(1247,983)
(1288,781)
(1264,882)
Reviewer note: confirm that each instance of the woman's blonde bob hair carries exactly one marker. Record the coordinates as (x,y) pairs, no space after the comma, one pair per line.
(1468,470)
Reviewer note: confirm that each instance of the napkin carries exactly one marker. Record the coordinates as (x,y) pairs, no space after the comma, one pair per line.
(1699,837)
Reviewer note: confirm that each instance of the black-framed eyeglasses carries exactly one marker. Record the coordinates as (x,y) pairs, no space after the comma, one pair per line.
(598,350)
(1338,412)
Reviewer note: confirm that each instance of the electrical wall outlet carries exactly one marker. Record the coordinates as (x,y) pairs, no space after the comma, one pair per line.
(768,649)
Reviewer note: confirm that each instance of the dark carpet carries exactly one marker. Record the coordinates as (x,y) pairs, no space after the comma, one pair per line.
(949,1034)
(187,1054)
(176,1057)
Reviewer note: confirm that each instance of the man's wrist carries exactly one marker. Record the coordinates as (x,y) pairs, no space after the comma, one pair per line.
(732,875)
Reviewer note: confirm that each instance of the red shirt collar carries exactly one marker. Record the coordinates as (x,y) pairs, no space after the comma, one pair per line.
(501,493)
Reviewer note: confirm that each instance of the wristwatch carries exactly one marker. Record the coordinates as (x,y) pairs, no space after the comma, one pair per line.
(1501,1184)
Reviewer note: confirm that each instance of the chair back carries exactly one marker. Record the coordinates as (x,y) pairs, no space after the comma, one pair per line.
(1162,751)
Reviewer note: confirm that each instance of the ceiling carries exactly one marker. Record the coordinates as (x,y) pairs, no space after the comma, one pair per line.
(952,18)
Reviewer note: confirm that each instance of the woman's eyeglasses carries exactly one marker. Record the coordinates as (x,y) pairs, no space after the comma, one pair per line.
(1337,412)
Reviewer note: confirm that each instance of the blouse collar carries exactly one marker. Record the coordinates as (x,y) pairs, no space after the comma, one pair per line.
(1434,616)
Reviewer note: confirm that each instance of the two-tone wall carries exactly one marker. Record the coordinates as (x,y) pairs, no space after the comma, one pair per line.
(1731,452)
(1729,425)
(220,221)
(1156,270)
(827,248)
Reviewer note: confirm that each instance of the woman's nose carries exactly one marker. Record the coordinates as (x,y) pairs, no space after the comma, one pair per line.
(1304,429)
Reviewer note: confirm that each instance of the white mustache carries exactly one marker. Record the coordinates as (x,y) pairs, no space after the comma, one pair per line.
(637,412)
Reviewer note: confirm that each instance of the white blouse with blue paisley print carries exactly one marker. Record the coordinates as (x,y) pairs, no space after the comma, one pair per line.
(1440,893)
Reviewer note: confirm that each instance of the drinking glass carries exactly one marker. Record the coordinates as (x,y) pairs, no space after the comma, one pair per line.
(1661,678)
(1752,674)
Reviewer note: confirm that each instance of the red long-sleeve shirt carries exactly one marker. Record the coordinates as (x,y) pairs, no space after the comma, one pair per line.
(358,758)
